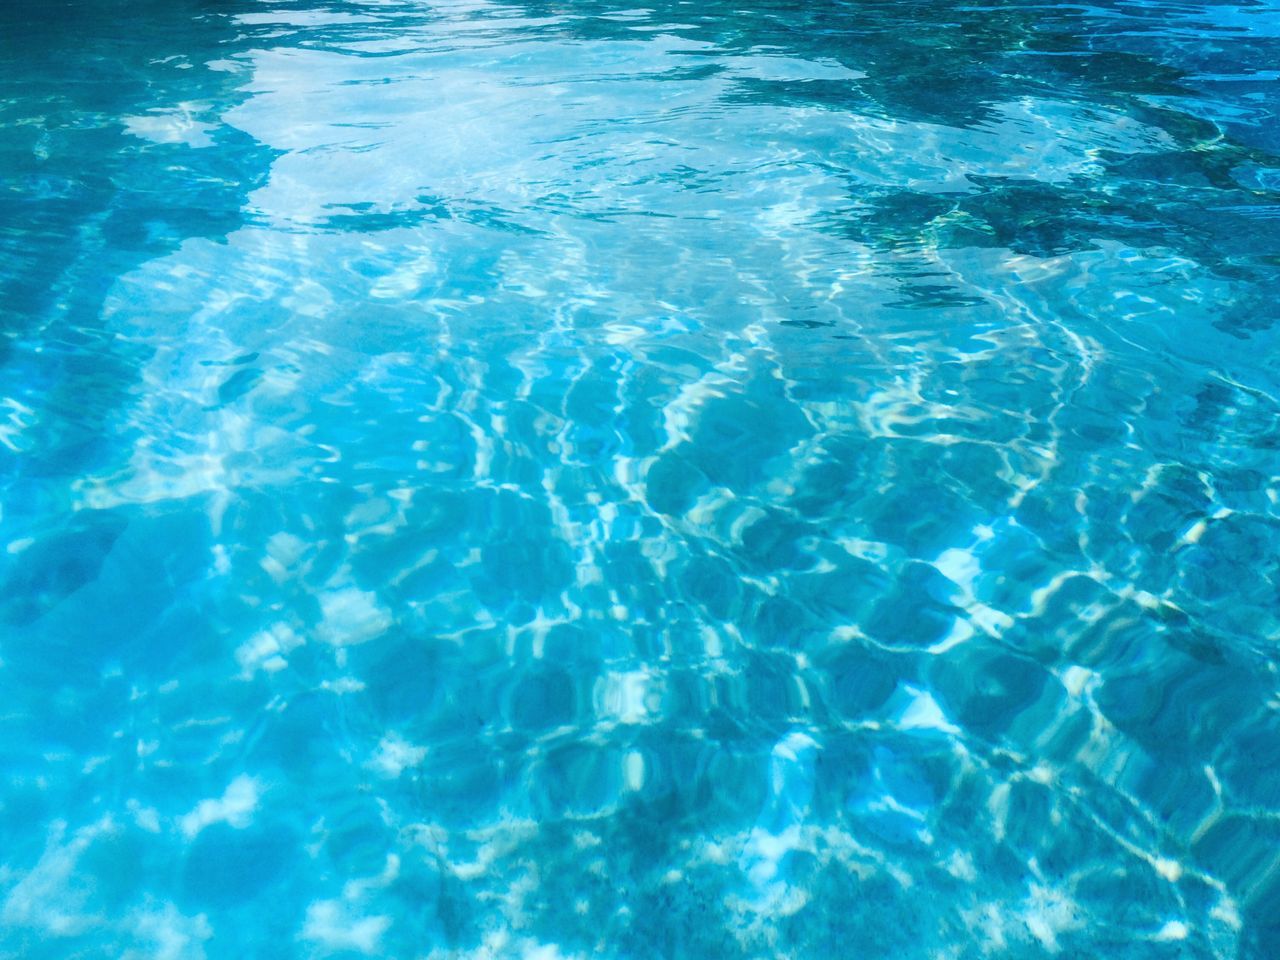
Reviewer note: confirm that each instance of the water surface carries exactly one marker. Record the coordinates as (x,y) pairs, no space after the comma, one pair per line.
(702,480)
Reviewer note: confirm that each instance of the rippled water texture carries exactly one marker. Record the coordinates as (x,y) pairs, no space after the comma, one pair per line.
(704,481)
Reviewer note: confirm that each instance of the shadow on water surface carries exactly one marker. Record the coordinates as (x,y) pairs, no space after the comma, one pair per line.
(112,156)
(1184,74)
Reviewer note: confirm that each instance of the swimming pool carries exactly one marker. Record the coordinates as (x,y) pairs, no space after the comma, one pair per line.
(562,479)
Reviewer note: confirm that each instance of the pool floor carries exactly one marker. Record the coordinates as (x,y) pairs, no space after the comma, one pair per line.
(561,480)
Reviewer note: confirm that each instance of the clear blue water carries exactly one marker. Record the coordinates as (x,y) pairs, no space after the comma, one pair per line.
(563,480)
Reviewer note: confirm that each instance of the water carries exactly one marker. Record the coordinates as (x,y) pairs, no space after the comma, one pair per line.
(563,480)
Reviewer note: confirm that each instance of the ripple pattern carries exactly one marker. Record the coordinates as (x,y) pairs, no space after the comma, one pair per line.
(555,480)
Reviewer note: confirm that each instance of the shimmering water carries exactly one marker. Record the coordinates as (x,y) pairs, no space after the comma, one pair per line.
(562,480)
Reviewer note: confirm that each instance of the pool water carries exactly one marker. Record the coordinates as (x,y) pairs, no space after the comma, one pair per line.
(562,479)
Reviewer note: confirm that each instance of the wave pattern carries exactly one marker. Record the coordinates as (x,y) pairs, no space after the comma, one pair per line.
(560,480)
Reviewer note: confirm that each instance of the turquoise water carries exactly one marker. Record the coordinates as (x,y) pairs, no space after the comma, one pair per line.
(568,480)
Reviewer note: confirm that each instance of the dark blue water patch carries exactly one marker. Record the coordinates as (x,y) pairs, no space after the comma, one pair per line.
(227,867)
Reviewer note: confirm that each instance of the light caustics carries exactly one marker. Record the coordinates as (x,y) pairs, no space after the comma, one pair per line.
(559,480)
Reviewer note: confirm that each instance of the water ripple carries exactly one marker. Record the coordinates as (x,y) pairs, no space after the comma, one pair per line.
(550,480)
